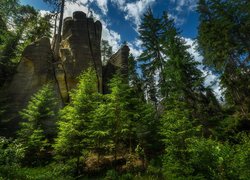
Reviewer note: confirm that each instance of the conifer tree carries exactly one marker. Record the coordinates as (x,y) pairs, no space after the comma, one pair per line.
(183,81)
(20,25)
(177,126)
(39,126)
(135,81)
(106,51)
(117,112)
(223,40)
(74,136)
(152,56)
(147,131)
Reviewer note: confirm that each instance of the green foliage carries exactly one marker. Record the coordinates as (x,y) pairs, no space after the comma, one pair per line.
(111,175)
(155,167)
(179,77)
(209,159)
(147,131)
(39,173)
(118,113)
(224,43)
(181,132)
(39,126)
(240,163)
(20,25)
(177,126)
(202,158)
(99,129)
(151,57)
(135,81)
(40,113)
(106,51)
(73,140)
(11,152)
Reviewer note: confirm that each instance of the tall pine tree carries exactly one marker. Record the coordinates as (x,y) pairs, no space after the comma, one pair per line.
(224,43)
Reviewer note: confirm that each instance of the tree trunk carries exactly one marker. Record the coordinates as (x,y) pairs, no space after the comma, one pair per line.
(58,37)
(78,166)
(55,30)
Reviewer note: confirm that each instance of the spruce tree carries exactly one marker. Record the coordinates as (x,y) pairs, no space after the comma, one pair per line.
(39,127)
(106,51)
(183,81)
(152,57)
(223,40)
(74,138)
(135,81)
(117,112)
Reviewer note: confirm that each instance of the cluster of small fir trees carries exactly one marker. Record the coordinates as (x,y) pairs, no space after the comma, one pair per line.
(101,124)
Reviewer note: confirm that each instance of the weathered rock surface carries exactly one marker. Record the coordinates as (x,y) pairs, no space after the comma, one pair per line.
(34,70)
(118,63)
(80,48)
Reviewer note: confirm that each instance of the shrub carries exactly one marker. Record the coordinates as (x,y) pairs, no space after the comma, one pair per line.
(111,175)
(11,152)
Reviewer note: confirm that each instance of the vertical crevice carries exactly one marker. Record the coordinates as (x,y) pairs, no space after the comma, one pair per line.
(93,58)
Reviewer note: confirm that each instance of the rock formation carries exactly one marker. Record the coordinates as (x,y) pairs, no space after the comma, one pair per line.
(79,50)
(118,63)
(34,70)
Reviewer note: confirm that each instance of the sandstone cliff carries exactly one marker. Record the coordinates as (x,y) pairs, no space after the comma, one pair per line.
(79,50)
(34,70)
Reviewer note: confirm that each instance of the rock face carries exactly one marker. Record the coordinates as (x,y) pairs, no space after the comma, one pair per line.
(34,70)
(118,63)
(79,50)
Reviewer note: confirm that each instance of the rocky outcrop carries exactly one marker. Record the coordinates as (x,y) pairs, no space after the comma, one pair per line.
(118,63)
(34,70)
(80,49)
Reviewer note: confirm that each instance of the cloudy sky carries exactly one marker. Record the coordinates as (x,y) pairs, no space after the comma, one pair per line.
(121,18)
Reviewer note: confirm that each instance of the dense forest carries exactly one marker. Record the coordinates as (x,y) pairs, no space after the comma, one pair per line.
(161,121)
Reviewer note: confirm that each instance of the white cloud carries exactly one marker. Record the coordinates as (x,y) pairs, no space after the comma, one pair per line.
(44,12)
(138,42)
(72,7)
(103,5)
(135,48)
(133,10)
(119,3)
(178,20)
(83,5)
(210,78)
(136,9)
(111,36)
(185,5)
